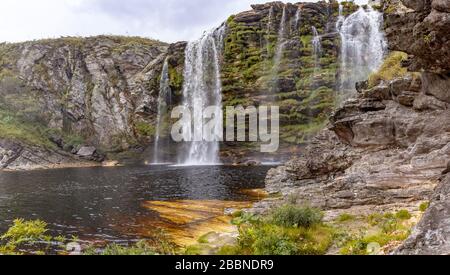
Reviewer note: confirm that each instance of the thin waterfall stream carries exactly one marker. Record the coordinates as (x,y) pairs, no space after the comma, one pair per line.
(164,101)
(281,42)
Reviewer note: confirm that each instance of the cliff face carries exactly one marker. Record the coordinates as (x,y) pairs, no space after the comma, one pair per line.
(387,148)
(420,28)
(378,152)
(424,33)
(269,57)
(68,92)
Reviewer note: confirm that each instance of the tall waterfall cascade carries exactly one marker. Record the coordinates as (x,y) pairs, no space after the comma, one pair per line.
(281,42)
(202,88)
(363,47)
(164,101)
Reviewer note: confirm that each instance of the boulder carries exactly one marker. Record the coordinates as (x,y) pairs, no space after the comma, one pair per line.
(87,151)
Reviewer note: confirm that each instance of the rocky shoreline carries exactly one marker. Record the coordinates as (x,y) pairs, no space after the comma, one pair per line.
(388,148)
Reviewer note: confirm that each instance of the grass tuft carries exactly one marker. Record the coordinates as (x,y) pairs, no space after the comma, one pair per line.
(391,68)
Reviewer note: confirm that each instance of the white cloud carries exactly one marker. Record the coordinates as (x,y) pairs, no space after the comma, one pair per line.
(166,20)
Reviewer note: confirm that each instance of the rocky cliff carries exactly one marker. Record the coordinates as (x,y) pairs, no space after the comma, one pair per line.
(99,95)
(389,147)
(423,32)
(268,57)
(62,94)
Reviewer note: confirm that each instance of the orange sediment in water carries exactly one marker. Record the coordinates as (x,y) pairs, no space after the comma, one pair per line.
(185,221)
(255,193)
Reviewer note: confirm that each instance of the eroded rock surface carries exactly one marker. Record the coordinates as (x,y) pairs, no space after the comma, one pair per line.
(375,152)
(432,235)
(420,28)
(98,91)
(387,148)
(19,156)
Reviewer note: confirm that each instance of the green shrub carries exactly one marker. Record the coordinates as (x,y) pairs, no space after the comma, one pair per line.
(269,239)
(145,129)
(11,127)
(241,218)
(273,240)
(345,217)
(293,216)
(389,225)
(424,206)
(403,215)
(29,236)
(359,246)
(374,219)
(25,232)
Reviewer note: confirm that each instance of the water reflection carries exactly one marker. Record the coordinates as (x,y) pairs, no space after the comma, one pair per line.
(93,202)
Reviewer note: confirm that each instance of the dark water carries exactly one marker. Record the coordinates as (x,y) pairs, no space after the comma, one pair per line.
(92,203)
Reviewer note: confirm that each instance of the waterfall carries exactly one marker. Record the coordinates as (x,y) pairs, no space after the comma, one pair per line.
(297,18)
(317,46)
(269,29)
(269,22)
(363,48)
(281,42)
(202,88)
(341,19)
(164,101)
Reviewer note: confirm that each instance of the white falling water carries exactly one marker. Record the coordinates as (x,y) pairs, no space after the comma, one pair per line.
(269,29)
(363,48)
(341,19)
(297,18)
(269,22)
(317,46)
(202,88)
(164,99)
(281,42)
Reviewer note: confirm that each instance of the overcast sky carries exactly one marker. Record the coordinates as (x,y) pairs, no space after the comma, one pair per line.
(166,20)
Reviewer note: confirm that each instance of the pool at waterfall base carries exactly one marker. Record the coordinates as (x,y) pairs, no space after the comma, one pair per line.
(126,204)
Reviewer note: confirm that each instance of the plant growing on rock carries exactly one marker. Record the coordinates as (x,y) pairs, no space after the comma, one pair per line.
(391,68)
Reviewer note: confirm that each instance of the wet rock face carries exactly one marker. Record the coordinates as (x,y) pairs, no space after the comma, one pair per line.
(420,28)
